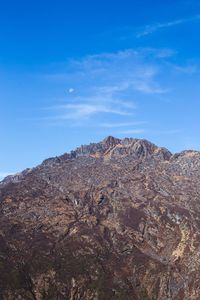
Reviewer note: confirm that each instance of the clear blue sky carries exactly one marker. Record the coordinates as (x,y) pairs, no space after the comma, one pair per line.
(73,72)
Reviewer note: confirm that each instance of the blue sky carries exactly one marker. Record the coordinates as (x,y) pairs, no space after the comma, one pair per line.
(74,72)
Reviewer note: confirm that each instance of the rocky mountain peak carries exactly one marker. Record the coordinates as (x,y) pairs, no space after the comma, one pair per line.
(111,141)
(112,147)
(118,219)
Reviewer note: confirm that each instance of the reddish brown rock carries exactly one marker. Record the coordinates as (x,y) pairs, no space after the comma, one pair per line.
(119,219)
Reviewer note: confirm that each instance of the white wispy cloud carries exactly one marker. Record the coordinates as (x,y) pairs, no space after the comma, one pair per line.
(149,29)
(85,110)
(166,132)
(110,83)
(188,69)
(131,131)
(118,125)
(115,86)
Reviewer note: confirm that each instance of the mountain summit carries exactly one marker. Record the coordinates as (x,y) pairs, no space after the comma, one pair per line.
(113,220)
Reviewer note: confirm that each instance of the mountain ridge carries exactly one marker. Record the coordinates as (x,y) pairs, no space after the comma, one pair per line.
(99,149)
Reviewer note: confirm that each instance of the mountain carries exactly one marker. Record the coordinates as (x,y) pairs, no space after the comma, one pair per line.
(119,219)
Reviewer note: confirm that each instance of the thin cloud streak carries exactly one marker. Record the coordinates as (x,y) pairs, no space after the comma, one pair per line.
(149,29)
(131,131)
(170,131)
(188,70)
(84,110)
(116,125)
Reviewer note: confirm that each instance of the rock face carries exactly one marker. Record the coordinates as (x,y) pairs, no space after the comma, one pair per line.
(119,219)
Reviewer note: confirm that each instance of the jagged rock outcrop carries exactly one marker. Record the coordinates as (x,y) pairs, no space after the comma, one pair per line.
(118,219)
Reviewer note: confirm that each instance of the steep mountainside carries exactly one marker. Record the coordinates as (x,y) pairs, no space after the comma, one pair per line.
(119,219)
